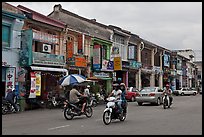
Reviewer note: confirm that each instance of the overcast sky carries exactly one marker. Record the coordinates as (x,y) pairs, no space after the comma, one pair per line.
(172,25)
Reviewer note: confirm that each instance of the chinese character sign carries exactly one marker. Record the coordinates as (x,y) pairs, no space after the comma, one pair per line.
(117,63)
(97,57)
(10,79)
(33,85)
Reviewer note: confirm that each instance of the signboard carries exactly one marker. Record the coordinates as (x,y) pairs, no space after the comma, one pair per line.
(10,79)
(69,49)
(48,59)
(80,44)
(131,52)
(134,64)
(166,60)
(110,65)
(117,63)
(33,85)
(104,64)
(96,57)
(25,53)
(80,62)
(38,83)
(45,37)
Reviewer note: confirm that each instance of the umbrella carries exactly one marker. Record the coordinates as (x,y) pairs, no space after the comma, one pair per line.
(71,79)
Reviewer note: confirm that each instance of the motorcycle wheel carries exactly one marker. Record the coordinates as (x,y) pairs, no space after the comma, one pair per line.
(89,111)
(94,103)
(165,103)
(107,117)
(18,107)
(68,113)
(49,105)
(122,116)
(4,109)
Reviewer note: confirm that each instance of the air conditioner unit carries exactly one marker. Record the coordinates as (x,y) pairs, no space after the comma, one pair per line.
(47,48)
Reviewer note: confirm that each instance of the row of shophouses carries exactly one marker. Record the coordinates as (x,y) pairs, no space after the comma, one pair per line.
(38,50)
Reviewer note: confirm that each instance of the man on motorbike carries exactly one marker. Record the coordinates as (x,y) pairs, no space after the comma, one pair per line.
(123,89)
(169,93)
(117,94)
(73,97)
(10,98)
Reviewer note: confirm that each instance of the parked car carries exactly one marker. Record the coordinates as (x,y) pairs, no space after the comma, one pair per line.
(185,91)
(150,95)
(131,94)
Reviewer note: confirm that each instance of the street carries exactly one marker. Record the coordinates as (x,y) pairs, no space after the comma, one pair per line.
(183,118)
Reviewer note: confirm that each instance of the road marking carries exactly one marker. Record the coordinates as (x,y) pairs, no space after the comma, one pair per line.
(58,127)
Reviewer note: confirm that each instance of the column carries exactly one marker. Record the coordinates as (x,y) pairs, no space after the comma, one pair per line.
(139,83)
(161,74)
(152,76)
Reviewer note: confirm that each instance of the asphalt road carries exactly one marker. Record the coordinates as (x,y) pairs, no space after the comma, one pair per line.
(183,118)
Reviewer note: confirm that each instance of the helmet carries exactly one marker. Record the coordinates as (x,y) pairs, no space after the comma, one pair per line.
(88,86)
(115,85)
(122,84)
(167,85)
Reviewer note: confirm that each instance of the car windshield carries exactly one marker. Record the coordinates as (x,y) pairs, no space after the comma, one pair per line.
(148,89)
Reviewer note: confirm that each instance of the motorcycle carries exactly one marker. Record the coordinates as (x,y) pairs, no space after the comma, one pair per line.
(7,107)
(53,101)
(112,111)
(71,110)
(92,102)
(166,101)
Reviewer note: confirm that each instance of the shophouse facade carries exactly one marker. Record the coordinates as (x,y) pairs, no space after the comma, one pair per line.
(42,54)
(119,51)
(96,45)
(12,23)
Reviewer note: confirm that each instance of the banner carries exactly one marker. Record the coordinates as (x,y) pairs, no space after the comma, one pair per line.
(33,85)
(38,83)
(10,79)
(97,57)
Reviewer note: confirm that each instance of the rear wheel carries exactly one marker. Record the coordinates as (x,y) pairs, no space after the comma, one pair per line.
(182,94)
(165,103)
(107,117)
(194,93)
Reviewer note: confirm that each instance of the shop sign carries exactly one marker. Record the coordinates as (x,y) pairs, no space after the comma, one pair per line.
(10,79)
(135,65)
(104,64)
(166,60)
(33,85)
(110,65)
(117,63)
(80,62)
(45,37)
(69,49)
(97,57)
(131,52)
(102,74)
(38,83)
(125,64)
(48,59)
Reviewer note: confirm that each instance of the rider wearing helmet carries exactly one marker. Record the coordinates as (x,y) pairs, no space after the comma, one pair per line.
(169,92)
(117,94)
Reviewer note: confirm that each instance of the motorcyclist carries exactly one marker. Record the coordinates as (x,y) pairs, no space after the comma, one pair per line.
(123,89)
(10,98)
(169,93)
(73,97)
(117,94)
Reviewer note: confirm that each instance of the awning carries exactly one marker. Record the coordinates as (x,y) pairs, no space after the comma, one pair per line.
(99,78)
(49,69)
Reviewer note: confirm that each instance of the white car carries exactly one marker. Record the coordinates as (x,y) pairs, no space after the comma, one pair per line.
(185,91)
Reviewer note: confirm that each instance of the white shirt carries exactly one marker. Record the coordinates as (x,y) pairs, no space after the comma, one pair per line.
(86,92)
(117,94)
